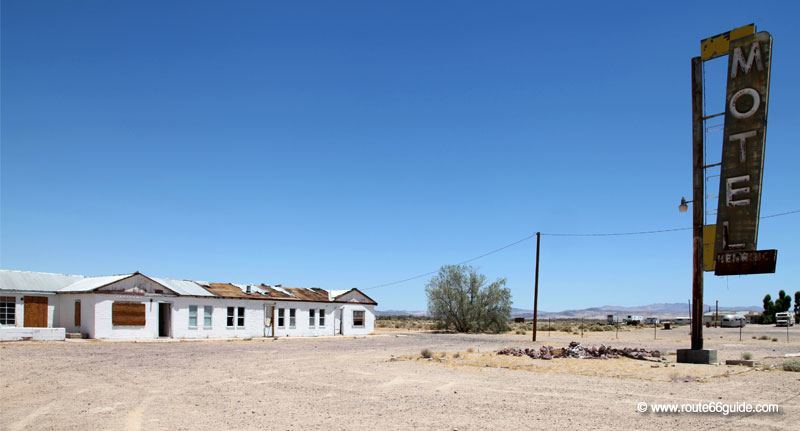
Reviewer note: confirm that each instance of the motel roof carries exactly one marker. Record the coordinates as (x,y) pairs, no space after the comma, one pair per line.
(26,281)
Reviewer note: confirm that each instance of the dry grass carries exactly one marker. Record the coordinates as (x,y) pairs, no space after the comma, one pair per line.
(405,323)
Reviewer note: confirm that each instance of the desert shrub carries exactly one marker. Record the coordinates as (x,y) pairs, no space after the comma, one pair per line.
(774,339)
(791,365)
(426,353)
(521,332)
(747,356)
(471,350)
(763,337)
(459,297)
(456,355)
(754,337)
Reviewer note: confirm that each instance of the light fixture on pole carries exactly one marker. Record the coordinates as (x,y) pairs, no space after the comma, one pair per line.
(684,205)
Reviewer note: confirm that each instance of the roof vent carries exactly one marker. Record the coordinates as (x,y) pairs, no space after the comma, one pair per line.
(278,285)
(247,289)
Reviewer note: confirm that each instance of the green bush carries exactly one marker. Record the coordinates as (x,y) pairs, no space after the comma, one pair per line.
(426,353)
(747,356)
(791,365)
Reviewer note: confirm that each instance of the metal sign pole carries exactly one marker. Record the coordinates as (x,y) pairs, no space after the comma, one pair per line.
(536,288)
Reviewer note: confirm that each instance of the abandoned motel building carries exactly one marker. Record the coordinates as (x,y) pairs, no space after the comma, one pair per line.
(44,306)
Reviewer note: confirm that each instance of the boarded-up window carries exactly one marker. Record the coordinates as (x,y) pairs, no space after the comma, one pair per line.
(128,314)
(77,313)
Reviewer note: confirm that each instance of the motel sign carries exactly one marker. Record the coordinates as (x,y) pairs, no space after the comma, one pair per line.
(739,205)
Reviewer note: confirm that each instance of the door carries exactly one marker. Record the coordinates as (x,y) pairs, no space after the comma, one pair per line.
(35,312)
(164,319)
(269,311)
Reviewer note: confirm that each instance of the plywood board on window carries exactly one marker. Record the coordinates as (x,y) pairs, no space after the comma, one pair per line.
(128,314)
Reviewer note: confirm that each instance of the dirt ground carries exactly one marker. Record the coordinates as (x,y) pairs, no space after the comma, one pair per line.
(380,382)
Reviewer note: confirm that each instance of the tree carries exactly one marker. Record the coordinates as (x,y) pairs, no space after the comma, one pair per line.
(460,299)
(769,310)
(783,303)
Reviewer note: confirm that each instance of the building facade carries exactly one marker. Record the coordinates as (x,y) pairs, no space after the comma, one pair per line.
(135,307)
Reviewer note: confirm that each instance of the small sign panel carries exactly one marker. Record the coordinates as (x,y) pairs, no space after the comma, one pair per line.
(709,231)
(746,262)
(719,45)
(744,137)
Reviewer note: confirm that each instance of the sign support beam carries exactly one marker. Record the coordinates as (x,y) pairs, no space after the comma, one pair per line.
(696,354)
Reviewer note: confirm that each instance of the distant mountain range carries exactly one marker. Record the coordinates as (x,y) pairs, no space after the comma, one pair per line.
(675,309)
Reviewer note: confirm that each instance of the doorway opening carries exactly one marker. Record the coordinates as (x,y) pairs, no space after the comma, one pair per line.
(164,319)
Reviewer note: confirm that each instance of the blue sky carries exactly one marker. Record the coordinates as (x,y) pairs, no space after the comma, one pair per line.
(350,144)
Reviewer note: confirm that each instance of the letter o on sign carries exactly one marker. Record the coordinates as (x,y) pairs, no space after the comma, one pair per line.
(756,103)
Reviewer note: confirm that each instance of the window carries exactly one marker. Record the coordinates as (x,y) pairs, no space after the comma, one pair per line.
(231,316)
(236,315)
(77,313)
(281,317)
(192,317)
(208,311)
(291,317)
(358,318)
(311,318)
(321,318)
(8,310)
(240,318)
(128,314)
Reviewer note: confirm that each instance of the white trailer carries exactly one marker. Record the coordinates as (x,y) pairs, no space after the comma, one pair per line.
(784,318)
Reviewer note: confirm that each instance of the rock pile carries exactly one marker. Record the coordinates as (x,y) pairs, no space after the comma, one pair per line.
(576,350)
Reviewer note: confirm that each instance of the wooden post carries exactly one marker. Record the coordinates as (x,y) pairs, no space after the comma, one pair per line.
(536,287)
(698,206)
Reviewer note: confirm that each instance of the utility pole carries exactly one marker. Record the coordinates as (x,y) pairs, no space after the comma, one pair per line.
(716,314)
(696,354)
(536,287)
(698,206)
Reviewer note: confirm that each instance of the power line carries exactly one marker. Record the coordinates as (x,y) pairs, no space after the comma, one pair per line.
(511,244)
(459,263)
(781,214)
(644,232)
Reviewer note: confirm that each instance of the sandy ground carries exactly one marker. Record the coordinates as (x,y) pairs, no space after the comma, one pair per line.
(379,382)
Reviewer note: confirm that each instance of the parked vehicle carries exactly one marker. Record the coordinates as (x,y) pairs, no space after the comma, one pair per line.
(633,320)
(732,321)
(652,321)
(784,318)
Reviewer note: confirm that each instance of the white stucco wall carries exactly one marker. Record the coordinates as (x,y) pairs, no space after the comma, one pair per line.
(96,319)
(179,310)
(66,312)
(253,315)
(302,326)
(369,319)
